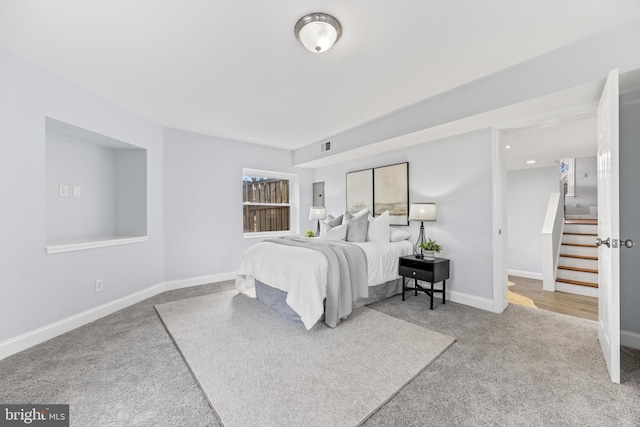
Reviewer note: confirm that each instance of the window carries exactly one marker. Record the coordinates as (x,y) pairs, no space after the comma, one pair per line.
(568,177)
(269,202)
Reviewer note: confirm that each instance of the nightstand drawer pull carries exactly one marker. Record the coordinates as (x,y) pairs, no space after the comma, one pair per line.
(414,273)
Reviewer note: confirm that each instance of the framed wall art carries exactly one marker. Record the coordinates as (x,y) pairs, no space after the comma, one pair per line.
(391,192)
(360,190)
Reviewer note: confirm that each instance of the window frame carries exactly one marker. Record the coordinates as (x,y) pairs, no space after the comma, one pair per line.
(294,202)
(571,177)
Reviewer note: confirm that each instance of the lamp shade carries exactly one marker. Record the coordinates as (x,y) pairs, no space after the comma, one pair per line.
(318,31)
(422,212)
(318,213)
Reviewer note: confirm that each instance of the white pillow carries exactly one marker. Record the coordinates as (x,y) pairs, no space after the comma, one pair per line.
(397,235)
(329,223)
(335,233)
(378,230)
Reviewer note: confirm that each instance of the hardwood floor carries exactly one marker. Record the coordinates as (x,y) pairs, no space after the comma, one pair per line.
(529,292)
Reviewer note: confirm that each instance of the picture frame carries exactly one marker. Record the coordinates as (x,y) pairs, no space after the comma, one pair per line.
(391,192)
(360,190)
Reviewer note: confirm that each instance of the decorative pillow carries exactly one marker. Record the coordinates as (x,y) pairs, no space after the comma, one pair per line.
(378,230)
(335,233)
(324,224)
(346,216)
(397,235)
(328,224)
(333,222)
(357,225)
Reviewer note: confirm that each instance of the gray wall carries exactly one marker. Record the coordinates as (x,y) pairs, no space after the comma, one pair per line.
(92,167)
(527,198)
(203,200)
(131,192)
(456,174)
(630,211)
(113,185)
(37,289)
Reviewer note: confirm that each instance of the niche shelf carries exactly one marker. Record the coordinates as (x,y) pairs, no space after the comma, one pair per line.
(96,189)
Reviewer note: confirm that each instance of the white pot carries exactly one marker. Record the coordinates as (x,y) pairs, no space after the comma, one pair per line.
(429,255)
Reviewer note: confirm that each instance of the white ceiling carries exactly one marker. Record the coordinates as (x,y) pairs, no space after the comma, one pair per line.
(235,69)
(547,143)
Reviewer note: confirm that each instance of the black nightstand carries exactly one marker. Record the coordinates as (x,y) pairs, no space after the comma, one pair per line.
(432,271)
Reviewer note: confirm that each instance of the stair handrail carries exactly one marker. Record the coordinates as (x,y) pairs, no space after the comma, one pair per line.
(552,229)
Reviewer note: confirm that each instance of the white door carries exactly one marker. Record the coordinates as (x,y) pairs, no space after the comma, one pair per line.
(609,227)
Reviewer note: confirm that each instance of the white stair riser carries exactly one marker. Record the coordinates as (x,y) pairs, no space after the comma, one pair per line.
(579,250)
(578,262)
(576,289)
(579,238)
(578,275)
(580,228)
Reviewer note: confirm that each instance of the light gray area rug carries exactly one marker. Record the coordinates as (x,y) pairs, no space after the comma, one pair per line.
(260,369)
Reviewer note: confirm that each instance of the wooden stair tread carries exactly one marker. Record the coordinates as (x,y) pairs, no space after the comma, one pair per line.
(585,270)
(581,221)
(581,234)
(582,245)
(595,258)
(578,282)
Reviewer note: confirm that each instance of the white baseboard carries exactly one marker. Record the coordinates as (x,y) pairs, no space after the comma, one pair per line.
(466,299)
(577,289)
(630,339)
(197,281)
(22,342)
(471,300)
(525,274)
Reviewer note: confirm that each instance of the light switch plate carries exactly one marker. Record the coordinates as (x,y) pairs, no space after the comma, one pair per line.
(63,190)
(75,192)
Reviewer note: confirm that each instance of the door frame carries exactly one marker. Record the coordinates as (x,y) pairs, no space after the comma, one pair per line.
(499,177)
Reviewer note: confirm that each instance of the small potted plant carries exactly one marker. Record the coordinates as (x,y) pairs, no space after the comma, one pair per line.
(310,233)
(430,248)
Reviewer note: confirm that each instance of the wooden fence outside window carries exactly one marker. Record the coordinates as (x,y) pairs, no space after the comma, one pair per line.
(266,205)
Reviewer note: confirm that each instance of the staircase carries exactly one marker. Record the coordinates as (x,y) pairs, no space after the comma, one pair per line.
(578,263)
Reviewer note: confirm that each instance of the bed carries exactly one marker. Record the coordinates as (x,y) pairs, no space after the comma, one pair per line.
(297,276)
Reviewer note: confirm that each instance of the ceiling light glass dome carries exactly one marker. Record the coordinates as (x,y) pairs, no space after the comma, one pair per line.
(318,32)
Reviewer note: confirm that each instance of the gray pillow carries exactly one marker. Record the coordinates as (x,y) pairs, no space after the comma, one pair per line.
(333,222)
(358,224)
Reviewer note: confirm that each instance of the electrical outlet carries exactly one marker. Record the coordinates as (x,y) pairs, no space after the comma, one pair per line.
(75,191)
(63,190)
(99,285)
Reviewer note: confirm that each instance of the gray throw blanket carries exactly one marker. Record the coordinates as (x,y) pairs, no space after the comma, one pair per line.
(347,277)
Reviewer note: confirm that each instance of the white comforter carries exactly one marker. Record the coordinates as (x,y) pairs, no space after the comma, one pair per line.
(302,273)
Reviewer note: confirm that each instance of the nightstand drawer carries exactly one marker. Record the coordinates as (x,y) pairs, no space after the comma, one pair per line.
(415,273)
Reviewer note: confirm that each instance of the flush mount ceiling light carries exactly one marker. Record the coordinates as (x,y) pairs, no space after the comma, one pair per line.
(318,31)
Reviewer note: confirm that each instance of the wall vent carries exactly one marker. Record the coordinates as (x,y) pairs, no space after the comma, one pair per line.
(325,146)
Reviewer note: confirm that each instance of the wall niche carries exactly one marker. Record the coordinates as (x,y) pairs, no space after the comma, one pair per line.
(96,189)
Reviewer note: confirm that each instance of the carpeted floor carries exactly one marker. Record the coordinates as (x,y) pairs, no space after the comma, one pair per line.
(526,367)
